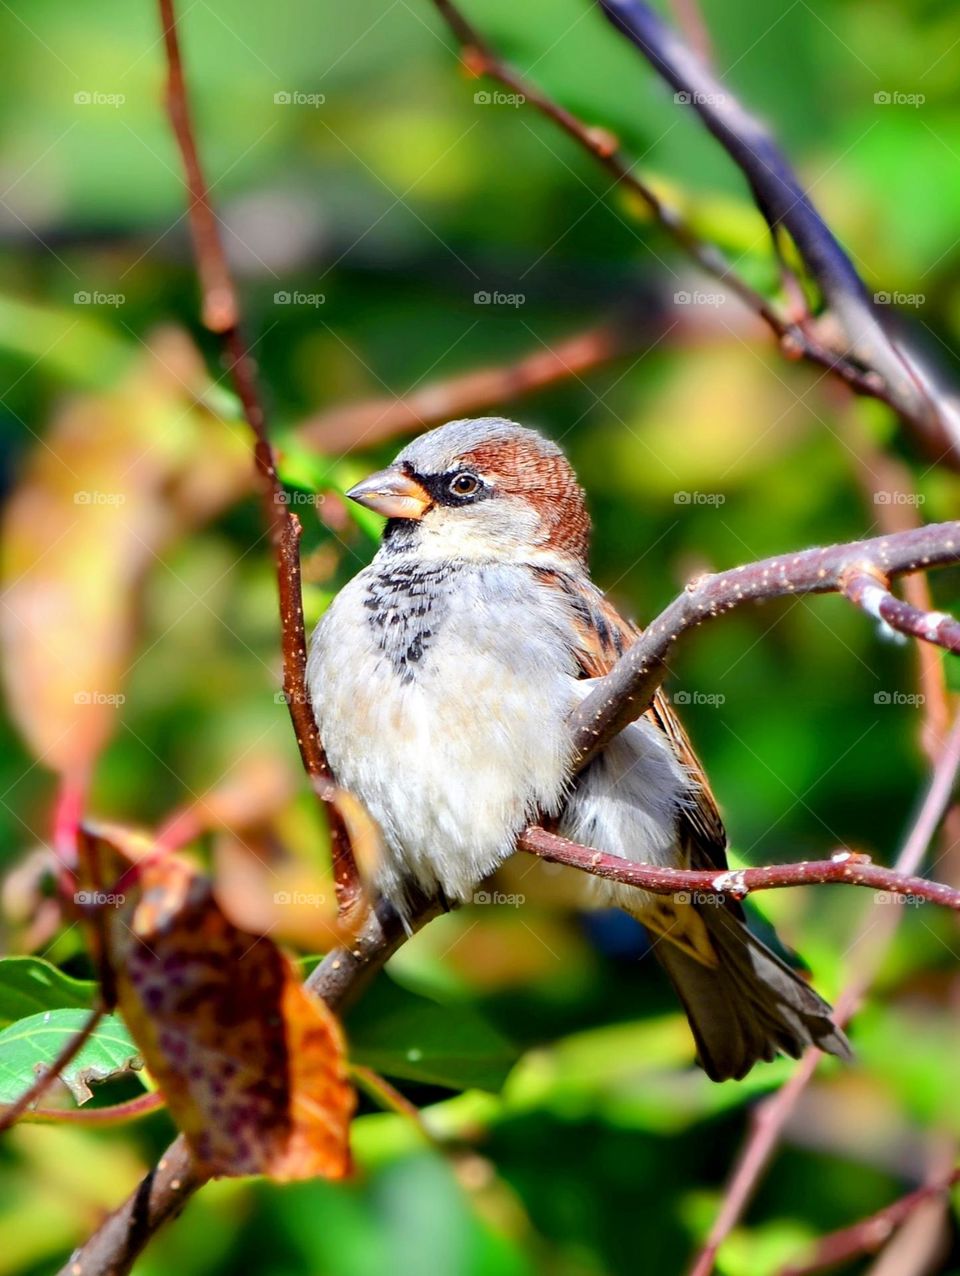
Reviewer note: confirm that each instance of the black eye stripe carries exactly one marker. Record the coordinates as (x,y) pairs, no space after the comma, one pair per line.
(442,489)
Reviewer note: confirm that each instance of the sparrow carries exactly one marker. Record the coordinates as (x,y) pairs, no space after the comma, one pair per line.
(443,677)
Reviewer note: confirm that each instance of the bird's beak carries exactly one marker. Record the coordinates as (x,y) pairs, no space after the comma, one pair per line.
(393,494)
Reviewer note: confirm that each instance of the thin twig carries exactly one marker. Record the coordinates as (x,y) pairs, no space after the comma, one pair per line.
(867,592)
(869,1234)
(893,499)
(798,340)
(221,314)
(624,693)
(784,204)
(772,1115)
(845,869)
(68,1052)
(372,421)
(115,1114)
(341,976)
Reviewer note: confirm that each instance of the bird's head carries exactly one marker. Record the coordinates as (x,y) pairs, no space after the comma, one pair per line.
(484,490)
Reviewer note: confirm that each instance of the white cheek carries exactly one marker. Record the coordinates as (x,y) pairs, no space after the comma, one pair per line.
(494,530)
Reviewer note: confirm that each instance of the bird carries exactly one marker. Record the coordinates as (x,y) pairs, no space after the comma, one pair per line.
(443,677)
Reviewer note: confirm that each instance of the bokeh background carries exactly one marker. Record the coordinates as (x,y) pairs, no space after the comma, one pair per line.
(368,199)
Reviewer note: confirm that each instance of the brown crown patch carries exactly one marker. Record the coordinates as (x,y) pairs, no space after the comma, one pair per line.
(546,480)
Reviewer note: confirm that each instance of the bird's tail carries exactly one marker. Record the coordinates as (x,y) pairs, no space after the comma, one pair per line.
(750,1005)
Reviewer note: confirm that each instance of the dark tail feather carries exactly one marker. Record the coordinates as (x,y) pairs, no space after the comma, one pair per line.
(749,1007)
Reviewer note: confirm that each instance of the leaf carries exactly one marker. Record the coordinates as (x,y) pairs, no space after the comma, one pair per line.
(403,1034)
(252,1066)
(29,985)
(29,1046)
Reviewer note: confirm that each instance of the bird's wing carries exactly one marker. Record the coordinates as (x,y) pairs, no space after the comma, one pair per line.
(604,635)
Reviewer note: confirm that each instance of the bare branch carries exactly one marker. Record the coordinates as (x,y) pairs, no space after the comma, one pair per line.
(785,204)
(870,1234)
(772,1115)
(222,315)
(868,593)
(628,689)
(370,422)
(888,376)
(844,869)
(114,1247)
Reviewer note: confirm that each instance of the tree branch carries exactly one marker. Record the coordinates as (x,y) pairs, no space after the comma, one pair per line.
(785,204)
(870,1234)
(624,693)
(844,868)
(163,1193)
(772,1115)
(370,422)
(861,354)
(221,313)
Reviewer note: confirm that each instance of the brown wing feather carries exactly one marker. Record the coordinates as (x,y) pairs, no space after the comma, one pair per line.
(604,637)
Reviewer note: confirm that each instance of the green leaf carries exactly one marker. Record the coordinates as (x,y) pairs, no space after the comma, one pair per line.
(403,1034)
(36,1041)
(29,985)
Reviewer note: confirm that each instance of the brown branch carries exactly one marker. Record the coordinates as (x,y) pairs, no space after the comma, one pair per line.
(222,315)
(772,1115)
(624,693)
(372,421)
(889,484)
(802,339)
(870,1234)
(858,336)
(10,1113)
(338,979)
(869,593)
(844,869)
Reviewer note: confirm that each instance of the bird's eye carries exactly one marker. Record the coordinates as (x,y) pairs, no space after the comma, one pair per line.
(464,485)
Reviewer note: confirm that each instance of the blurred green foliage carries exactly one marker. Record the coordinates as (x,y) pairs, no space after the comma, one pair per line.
(552,1065)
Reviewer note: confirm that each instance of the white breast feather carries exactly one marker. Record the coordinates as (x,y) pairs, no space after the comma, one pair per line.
(456,761)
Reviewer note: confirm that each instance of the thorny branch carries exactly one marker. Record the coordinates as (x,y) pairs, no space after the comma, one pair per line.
(848,340)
